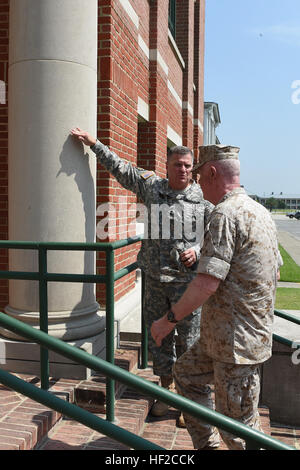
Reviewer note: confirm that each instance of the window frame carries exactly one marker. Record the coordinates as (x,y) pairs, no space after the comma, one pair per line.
(172,17)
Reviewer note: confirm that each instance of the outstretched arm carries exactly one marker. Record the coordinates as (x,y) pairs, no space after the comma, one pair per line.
(129,176)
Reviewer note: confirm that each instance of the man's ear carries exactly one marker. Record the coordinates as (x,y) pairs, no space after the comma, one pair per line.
(213,172)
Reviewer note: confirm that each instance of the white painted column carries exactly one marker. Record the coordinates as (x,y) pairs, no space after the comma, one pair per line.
(52,196)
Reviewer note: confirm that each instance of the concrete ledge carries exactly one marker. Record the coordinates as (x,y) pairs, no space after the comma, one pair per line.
(24,357)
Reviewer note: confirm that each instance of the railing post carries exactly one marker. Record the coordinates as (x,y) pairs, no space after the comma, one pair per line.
(144,361)
(43,299)
(110,283)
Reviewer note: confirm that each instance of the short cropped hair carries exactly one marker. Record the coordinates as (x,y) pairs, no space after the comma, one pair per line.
(229,169)
(180,150)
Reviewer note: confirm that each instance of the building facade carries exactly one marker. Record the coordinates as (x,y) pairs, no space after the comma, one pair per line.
(150,89)
(289,201)
(211,121)
(130,71)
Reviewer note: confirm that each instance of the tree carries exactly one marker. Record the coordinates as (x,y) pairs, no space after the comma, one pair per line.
(281,204)
(271,203)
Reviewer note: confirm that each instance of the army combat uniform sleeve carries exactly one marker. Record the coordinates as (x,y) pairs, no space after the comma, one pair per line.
(218,248)
(130,177)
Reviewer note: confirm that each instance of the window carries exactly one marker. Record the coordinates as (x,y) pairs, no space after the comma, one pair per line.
(172,17)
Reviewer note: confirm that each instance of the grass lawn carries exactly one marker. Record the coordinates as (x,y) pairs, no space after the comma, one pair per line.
(287,298)
(290,271)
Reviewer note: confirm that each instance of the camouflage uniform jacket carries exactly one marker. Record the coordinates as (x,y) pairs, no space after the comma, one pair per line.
(241,249)
(159,255)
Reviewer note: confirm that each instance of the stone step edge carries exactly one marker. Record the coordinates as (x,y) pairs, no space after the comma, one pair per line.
(91,394)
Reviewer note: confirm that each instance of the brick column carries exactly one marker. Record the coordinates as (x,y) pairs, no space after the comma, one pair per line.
(4,29)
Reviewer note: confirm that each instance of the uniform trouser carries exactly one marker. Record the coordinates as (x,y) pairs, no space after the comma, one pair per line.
(157,301)
(236,395)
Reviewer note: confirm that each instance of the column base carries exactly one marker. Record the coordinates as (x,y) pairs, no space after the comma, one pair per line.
(24,357)
(67,326)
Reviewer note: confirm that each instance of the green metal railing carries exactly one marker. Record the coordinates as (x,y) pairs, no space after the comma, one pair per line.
(253,438)
(287,316)
(110,277)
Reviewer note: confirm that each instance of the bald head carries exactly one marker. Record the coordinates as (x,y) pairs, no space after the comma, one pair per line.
(229,170)
(218,177)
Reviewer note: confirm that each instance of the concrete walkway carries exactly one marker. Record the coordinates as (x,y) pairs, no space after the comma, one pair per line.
(293,285)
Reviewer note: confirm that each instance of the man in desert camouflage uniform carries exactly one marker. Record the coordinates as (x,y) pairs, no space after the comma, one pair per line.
(237,276)
(172,205)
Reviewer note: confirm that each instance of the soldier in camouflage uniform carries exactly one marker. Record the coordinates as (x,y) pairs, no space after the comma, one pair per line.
(173,205)
(237,276)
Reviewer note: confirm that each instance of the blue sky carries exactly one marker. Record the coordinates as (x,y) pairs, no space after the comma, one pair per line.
(252,59)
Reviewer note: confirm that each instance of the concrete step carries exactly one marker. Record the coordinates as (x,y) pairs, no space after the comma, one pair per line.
(131,336)
(131,411)
(91,394)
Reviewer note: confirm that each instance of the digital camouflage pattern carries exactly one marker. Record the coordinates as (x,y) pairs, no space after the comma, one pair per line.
(184,213)
(166,276)
(158,299)
(236,395)
(241,250)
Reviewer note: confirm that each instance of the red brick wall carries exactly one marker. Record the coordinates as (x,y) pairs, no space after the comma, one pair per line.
(125,74)
(119,61)
(152,137)
(199,46)
(4,15)
(185,41)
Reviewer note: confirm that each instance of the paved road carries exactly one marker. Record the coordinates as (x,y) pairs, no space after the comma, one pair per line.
(284,224)
(289,235)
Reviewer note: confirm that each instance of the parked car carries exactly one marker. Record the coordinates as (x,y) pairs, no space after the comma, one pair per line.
(295,215)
